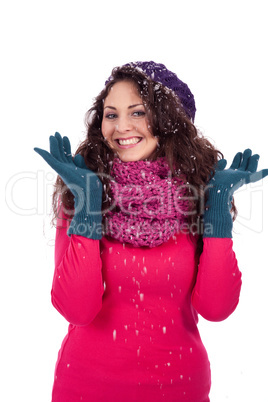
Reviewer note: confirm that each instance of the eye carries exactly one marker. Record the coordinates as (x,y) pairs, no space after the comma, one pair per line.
(139,113)
(110,116)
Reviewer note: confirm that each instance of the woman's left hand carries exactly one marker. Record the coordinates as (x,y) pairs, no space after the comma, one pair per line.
(243,170)
(217,217)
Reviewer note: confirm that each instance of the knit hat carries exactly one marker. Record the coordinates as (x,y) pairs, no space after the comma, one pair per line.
(159,73)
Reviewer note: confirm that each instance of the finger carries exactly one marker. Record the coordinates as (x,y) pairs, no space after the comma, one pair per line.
(54,148)
(258,175)
(67,149)
(245,161)
(253,163)
(46,156)
(236,161)
(221,164)
(59,167)
(60,146)
(264,173)
(79,161)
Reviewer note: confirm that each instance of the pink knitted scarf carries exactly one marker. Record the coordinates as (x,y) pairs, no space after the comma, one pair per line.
(148,205)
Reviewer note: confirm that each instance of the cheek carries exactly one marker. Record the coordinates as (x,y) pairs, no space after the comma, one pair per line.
(154,143)
(144,128)
(147,127)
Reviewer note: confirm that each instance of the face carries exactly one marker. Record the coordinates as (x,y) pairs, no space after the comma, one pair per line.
(125,124)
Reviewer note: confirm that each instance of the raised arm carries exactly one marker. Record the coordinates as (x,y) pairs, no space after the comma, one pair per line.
(77,287)
(217,289)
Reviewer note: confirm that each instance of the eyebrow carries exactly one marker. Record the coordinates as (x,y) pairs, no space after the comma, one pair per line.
(130,107)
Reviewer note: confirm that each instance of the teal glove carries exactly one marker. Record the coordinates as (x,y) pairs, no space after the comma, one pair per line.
(217,217)
(83,183)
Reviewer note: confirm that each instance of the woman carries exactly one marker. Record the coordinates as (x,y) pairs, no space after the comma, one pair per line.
(138,255)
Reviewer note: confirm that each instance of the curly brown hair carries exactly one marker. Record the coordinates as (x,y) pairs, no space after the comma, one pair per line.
(186,150)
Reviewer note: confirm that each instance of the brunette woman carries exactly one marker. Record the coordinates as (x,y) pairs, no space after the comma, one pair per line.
(143,243)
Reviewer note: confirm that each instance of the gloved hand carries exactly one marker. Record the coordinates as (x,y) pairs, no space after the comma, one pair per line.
(217,217)
(83,183)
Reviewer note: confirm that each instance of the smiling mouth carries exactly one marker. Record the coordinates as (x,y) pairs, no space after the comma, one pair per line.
(129,141)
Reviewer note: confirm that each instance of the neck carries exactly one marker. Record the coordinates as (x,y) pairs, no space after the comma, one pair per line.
(148,204)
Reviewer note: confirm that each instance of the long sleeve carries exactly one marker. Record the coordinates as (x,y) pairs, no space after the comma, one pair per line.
(217,289)
(77,287)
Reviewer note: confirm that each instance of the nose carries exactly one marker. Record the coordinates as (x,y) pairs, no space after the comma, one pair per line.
(124,125)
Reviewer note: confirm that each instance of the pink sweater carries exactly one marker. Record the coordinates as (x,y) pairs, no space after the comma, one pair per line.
(133,317)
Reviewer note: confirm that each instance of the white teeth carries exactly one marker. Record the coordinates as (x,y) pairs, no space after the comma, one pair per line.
(130,141)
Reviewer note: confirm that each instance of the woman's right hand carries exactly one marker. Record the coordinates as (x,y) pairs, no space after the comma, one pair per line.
(82,182)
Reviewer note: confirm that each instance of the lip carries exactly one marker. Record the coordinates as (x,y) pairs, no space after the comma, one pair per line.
(129,145)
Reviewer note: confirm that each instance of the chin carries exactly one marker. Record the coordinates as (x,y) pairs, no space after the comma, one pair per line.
(130,158)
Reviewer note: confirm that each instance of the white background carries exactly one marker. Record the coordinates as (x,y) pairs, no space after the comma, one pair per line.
(55,57)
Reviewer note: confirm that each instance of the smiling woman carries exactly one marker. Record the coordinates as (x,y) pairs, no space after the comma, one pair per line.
(125,125)
(133,265)
(163,114)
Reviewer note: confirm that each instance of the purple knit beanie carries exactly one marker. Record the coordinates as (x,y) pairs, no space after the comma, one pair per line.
(159,73)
